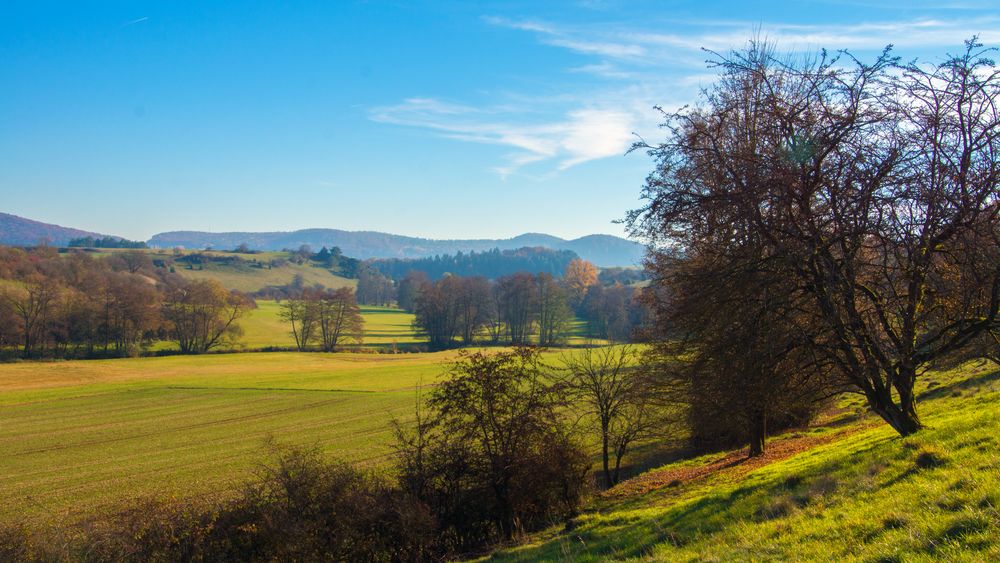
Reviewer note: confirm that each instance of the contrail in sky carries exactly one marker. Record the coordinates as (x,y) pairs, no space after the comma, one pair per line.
(133,22)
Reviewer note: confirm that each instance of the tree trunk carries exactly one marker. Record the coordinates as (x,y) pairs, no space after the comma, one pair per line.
(903,420)
(619,454)
(902,417)
(505,512)
(604,453)
(758,432)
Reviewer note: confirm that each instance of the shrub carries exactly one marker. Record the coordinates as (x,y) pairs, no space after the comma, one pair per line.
(493,459)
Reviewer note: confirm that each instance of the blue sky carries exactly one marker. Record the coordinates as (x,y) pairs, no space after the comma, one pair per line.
(434,119)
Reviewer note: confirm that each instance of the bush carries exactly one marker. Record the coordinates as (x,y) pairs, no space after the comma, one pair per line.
(493,460)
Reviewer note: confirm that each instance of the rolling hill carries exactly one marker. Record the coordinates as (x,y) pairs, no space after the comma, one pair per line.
(603,250)
(18,231)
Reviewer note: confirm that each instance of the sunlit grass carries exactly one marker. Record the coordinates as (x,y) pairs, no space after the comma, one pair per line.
(80,435)
(868,495)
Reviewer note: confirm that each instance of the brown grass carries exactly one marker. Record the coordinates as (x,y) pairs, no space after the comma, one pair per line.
(733,464)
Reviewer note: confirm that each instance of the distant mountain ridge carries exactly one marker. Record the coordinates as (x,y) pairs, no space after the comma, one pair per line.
(602,250)
(18,231)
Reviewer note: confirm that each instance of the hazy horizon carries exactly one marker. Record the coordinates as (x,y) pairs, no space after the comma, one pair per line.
(147,237)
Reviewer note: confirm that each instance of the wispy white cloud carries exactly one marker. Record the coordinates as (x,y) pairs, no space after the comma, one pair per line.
(603,48)
(579,136)
(569,39)
(604,70)
(637,69)
(523,25)
(627,44)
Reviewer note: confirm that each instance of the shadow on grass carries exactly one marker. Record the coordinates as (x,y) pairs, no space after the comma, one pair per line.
(961,385)
(366,312)
(688,521)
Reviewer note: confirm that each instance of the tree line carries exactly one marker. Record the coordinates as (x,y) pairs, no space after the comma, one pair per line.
(521,308)
(82,306)
(490,264)
(105,242)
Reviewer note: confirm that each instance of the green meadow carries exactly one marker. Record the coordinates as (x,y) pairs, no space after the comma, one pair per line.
(385,328)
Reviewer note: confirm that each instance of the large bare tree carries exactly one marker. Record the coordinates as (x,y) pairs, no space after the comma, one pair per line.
(873,186)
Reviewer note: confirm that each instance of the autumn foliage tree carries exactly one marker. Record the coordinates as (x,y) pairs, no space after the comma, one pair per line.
(579,276)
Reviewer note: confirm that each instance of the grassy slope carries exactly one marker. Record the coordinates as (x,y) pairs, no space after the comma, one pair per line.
(847,490)
(248,279)
(80,435)
(244,277)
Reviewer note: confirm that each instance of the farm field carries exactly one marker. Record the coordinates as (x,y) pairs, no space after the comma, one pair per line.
(847,489)
(78,436)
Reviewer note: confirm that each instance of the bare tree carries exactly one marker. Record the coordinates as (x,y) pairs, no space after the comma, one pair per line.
(473,305)
(301,317)
(435,313)
(611,390)
(553,310)
(493,455)
(517,297)
(338,318)
(409,288)
(32,304)
(873,186)
(134,260)
(734,352)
